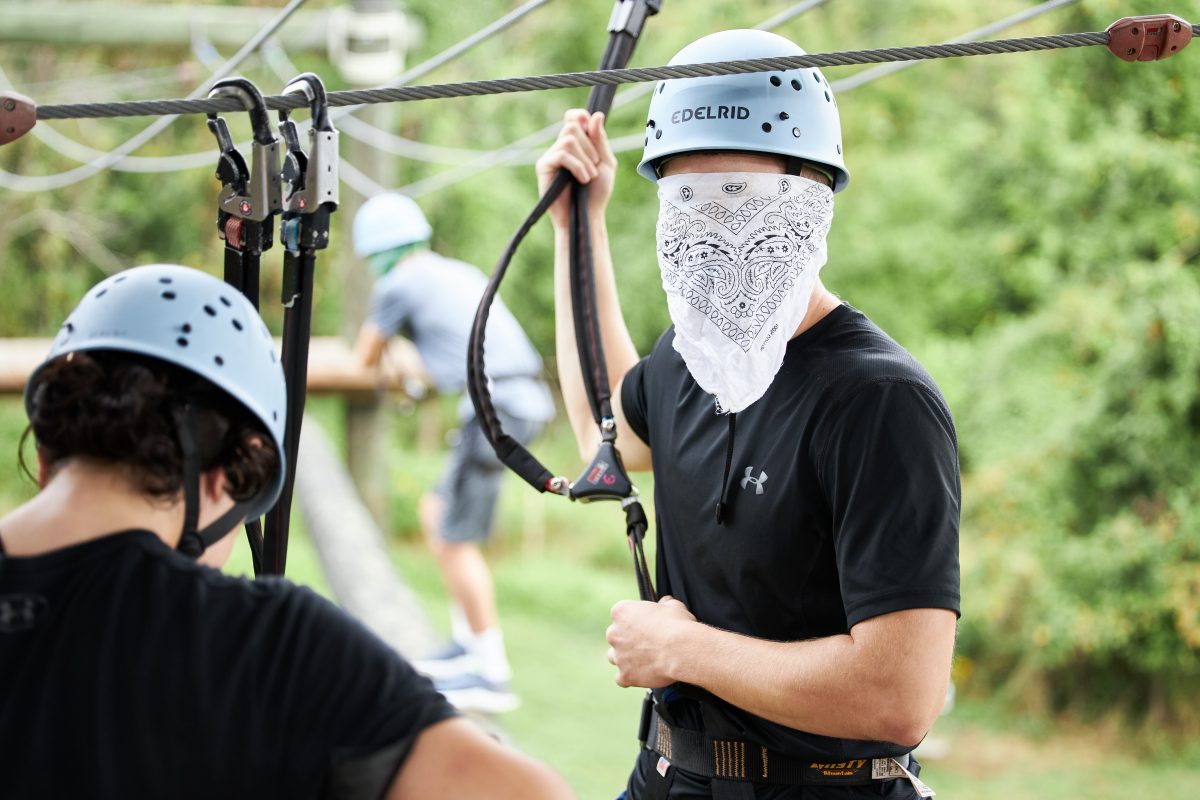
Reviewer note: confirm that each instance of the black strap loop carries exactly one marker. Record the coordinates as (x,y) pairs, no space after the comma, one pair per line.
(605,477)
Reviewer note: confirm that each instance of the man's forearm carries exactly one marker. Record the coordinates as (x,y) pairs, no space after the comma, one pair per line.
(619,352)
(883,683)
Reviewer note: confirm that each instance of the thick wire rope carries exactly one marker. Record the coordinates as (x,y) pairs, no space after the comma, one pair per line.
(45,183)
(521,152)
(875,73)
(575,80)
(203,50)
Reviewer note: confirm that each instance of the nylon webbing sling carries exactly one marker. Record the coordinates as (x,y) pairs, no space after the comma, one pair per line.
(304,191)
(310,196)
(605,477)
(246,209)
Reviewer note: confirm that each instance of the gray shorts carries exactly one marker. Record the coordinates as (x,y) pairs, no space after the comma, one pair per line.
(471,482)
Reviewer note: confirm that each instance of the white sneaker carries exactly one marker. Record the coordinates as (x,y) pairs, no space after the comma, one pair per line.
(473,692)
(452,661)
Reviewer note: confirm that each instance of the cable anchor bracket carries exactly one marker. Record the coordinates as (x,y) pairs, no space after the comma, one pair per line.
(18,114)
(1148,38)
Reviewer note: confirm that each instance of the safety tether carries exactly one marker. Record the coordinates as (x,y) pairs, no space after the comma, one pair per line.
(304,192)
(605,477)
(246,209)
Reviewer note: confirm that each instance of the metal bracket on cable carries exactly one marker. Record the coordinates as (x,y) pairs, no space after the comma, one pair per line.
(18,114)
(1148,38)
(310,195)
(247,204)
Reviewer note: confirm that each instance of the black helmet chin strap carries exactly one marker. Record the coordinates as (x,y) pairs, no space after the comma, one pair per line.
(193,542)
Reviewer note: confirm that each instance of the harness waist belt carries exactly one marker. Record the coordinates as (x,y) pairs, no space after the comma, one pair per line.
(740,760)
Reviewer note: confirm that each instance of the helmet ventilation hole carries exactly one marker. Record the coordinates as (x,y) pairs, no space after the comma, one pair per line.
(168,295)
(225,302)
(658,134)
(101,293)
(164,280)
(828,99)
(220,362)
(797,85)
(182,342)
(796,133)
(212,312)
(766,126)
(784,115)
(237,324)
(120,278)
(816,78)
(187,328)
(839,149)
(775,81)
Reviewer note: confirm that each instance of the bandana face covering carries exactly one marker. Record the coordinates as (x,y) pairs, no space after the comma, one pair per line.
(739,254)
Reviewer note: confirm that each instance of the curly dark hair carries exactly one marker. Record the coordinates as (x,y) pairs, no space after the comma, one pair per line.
(119,407)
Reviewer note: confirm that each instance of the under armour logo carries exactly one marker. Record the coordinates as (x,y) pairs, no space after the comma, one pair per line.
(19,612)
(758,482)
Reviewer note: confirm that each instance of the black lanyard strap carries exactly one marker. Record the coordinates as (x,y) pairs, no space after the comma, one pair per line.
(605,477)
(246,209)
(310,196)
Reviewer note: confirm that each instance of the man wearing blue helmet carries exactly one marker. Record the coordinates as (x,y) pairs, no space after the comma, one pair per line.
(131,670)
(806,469)
(431,300)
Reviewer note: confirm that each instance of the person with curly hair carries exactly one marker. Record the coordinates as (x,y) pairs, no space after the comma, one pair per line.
(130,667)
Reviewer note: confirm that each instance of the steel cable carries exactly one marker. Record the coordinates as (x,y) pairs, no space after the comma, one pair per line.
(574,80)
(350,125)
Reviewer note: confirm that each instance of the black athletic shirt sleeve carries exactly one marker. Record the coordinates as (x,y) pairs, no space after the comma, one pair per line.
(633,400)
(889,464)
(366,702)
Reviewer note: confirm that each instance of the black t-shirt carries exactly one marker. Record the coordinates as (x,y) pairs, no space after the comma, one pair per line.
(842,498)
(127,670)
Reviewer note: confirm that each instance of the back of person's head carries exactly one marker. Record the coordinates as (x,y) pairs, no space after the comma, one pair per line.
(789,113)
(387,222)
(160,368)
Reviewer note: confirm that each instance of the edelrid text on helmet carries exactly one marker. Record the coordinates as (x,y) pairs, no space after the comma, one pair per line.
(790,113)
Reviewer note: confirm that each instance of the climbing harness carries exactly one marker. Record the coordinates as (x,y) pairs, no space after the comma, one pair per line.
(605,477)
(303,191)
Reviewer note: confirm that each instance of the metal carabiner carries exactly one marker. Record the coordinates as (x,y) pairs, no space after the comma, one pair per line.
(310,180)
(249,193)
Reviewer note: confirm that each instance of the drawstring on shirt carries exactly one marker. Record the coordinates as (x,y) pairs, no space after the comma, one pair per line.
(722,506)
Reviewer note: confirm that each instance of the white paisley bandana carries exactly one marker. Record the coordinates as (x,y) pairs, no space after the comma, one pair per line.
(739,254)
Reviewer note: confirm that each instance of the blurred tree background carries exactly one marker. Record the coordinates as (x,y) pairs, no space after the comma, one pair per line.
(1026,225)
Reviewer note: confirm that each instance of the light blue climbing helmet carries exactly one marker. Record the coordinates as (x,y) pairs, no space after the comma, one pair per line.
(190,319)
(790,113)
(388,221)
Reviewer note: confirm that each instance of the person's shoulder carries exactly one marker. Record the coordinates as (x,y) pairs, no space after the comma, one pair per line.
(851,352)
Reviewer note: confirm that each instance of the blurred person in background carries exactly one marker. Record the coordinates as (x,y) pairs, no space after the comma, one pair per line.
(131,667)
(431,300)
(806,468)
